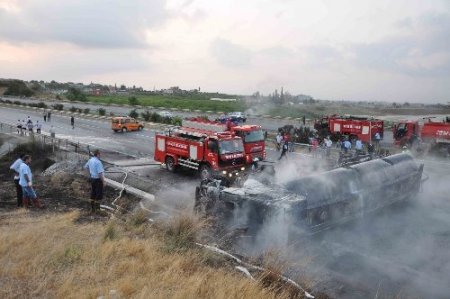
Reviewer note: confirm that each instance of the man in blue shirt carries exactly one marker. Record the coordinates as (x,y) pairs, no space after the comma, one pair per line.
(347,145)
(16,167)
(96,172)
(358,146)
(26,182)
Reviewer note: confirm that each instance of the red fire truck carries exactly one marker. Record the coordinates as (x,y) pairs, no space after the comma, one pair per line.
(434,133)
(207,151)
(252,136)
(363,128)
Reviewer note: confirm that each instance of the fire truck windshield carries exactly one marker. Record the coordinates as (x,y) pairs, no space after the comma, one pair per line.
(253,136)
(230,146)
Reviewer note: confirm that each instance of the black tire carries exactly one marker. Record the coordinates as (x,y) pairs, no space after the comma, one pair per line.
(115,131)
(205,172)
(140,128)
(124,130)
(170,164)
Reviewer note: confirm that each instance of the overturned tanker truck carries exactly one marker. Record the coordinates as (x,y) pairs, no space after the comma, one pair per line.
(316,201)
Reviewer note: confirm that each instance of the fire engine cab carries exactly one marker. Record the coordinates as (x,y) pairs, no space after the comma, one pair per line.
(252,136)
(207,150)
(434,133)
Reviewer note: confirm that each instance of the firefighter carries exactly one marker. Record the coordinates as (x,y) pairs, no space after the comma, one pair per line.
(97,179)
(72,122)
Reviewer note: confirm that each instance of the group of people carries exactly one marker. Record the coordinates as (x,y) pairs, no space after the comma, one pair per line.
(27,196)
(28,126)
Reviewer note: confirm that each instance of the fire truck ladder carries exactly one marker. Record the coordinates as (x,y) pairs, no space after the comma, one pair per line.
(188,163)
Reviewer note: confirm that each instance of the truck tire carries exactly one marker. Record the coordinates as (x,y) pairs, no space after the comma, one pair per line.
(205,171)
(170,164)
(124,130)
(140,128)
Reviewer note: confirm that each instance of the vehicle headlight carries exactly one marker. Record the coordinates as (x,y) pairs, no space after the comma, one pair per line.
(224,172)
(231,175)
(242,168)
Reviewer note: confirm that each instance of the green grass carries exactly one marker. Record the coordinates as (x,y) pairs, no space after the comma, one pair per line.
(193,102)
(296,112)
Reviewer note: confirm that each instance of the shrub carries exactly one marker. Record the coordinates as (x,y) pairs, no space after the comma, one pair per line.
(73,109)
(41,105)
(17,103)
(155,117)
(101,112)
(146,115)
(176,121)
(58,97)
(86,111)
(133,113)
(58,107)
(18,88)
(133,101)
(74,94)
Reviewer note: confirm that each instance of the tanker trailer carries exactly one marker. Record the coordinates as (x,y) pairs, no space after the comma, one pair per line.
(314,201)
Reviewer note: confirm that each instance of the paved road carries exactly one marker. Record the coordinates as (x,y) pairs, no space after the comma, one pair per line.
(266,123)
(93,132)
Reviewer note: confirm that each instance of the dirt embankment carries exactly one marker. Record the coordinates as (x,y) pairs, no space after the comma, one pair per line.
(63,251)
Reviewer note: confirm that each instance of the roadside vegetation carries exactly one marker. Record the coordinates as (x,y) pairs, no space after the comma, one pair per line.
(193,101)
(65,252)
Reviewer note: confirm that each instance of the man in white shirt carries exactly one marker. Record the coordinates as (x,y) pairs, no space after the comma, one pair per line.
(26,182)
(16,168)
(328,144)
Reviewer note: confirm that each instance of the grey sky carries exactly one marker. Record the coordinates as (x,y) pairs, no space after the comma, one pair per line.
(348,49)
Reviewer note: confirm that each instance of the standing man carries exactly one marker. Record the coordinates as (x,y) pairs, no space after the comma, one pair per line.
(16,168)
(26,182)
(358,146)
(279,138)
(38,127)
(284,150)
(45,116)
(347,145)
(72,122)
(30,126)
(328,144)
(97,176)
(377,140)
(19,126)
(49,115)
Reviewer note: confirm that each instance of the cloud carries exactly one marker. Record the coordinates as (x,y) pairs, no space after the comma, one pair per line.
(229,54)
(92,24)
(424,50)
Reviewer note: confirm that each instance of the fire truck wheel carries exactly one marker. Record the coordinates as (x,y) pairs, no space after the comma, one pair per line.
(205,172)
(124,129)
(140,128)
(170,164)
